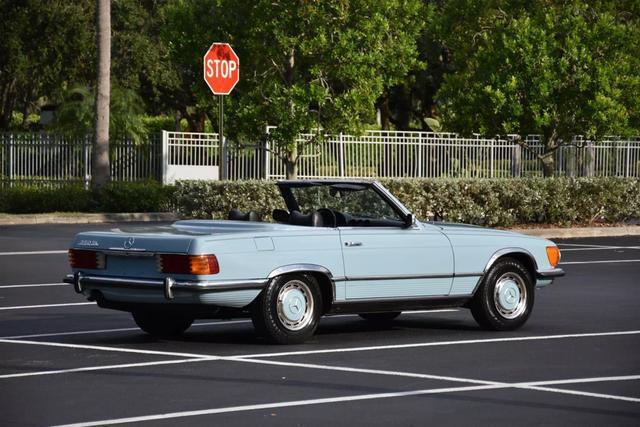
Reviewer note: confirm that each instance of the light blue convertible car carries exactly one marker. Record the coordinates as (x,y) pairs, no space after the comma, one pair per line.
(339,247)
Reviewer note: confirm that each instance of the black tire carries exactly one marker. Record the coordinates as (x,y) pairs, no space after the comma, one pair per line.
(380,317)
(274,313)
(161,324)
(505,297)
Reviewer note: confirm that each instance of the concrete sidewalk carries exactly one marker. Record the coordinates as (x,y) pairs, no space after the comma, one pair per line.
(90,218)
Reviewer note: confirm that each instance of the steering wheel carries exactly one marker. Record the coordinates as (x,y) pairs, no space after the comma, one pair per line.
(328,216)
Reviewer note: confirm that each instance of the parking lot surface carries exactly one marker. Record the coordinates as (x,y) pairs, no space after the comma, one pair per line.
(63,360)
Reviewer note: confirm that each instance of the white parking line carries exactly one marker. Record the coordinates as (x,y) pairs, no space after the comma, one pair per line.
(278,405)
(341,399)
(33,253)
(34,285)
(585,245)
(103,368)
(23,307)
(440,343)
(604,261)
(103,331)
(226,322)
(297,353)
(599,249)
(103,348)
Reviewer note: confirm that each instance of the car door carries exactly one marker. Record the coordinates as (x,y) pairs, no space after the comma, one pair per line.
(394,262)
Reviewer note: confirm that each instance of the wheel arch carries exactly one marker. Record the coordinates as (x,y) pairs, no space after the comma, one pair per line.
(519,254)
(321,274)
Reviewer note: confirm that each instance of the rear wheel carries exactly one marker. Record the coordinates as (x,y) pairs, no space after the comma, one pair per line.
(161,324)
(288,310)
(380,317)
(505,298)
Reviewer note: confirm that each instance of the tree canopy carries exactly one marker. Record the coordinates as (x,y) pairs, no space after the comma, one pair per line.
(549,67)
(554,68)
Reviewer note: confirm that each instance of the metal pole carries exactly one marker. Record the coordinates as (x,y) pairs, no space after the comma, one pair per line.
(223,145)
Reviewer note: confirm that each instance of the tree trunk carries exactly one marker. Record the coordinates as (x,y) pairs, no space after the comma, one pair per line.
(548,166)
(291,163)
(100,174)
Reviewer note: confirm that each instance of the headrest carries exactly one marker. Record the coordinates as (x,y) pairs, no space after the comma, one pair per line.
(280,215)
(238,215)
(313,219)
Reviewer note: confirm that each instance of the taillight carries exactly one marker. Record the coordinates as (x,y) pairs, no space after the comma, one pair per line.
(188,264)
(86,259)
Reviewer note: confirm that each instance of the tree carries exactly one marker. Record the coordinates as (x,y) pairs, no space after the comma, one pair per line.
(36,52)
(315,65)
(100,172)
(551,67)
(319,67)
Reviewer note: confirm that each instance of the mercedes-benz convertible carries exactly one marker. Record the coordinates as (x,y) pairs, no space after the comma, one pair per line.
(338,247)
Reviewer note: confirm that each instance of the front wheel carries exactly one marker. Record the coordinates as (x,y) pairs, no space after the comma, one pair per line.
(288,310)
(161,324)
(505,298)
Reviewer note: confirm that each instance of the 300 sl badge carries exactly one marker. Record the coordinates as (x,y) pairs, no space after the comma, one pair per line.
(88,243)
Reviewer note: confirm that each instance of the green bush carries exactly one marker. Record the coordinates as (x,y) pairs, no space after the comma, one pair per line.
(147,196)
(490,202)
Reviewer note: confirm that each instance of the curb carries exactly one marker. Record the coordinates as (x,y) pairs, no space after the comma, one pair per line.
(566,233)
(80,218)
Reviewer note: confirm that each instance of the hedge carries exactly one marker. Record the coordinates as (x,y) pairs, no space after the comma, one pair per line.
(489,202)
(147,196)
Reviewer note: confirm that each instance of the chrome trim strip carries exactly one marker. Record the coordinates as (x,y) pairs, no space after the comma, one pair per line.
(302,268)
(554,272)
(194,286)
(299,268)
(127,252)
(407,299)
(391,198)
(408,276)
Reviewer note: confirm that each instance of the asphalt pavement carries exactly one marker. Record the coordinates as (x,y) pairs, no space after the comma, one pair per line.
(63,360)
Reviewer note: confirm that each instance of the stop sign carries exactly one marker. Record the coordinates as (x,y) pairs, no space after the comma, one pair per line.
(221,68)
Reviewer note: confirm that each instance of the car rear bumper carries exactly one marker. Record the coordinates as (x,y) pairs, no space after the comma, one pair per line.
(168,285)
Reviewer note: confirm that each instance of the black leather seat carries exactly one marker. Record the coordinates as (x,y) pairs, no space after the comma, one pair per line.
(238,215)
(280,215)
(313,219)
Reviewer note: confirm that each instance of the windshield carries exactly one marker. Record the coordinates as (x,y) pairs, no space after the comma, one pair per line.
(352,204)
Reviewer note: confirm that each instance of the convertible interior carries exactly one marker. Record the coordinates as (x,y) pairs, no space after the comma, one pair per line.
(323,217)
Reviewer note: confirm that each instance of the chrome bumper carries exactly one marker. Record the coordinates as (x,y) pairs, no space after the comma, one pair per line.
(168,285)
(550,274)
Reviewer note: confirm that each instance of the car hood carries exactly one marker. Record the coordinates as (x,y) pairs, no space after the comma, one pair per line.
(451,228)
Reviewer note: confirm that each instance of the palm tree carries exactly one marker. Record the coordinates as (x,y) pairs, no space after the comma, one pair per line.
(100,174)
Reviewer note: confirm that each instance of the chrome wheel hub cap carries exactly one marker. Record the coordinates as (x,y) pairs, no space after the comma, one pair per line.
(295,306)
(510,296)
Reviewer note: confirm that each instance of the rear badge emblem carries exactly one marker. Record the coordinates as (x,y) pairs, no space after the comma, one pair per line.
(129,242)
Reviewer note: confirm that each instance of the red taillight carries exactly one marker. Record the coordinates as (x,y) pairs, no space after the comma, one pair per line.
(188,264)
(86,259)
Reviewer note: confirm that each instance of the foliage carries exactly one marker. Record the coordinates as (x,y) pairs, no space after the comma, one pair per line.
(553,67)
(324,66)
(36,54)
(489,202)
(76,112)
(148,196)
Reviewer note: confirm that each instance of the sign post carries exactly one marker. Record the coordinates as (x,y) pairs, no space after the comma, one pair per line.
(221,73)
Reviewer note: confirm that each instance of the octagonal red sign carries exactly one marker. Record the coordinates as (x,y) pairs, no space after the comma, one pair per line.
(221,68)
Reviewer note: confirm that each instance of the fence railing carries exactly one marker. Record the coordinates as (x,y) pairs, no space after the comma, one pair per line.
(47,159)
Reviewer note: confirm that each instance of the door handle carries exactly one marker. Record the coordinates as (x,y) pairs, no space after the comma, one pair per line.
(353,243)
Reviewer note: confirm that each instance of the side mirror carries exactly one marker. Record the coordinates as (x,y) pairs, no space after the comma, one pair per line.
(408,220)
